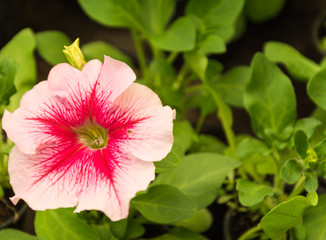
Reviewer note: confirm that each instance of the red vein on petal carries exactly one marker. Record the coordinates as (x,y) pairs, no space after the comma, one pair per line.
(56,166)
(51,123)
(128,124)
(107,168)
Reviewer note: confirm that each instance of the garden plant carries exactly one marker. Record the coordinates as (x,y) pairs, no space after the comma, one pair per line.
(112,146)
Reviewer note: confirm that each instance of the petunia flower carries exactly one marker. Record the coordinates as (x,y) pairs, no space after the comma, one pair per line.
(87,139)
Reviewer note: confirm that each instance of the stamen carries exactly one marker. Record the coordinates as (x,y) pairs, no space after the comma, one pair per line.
(92,135)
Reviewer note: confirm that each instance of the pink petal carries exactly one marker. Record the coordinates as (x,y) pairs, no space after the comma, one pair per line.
(140,124)
(64,80)
(75,176)
(115,77)
(26,134)
(40,120)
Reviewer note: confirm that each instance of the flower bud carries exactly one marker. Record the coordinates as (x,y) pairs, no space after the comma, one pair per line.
(74,55)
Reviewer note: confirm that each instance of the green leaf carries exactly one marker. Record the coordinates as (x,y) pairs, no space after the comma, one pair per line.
(308,125)
(165,70)
(299,66)
(113,13)
(291,171)
(284,216)
(256,165)
(156,14)
(180,36)
(8,70)
(208,143)
(263,10)
(20,50)
(216,12)
(50,44)
(250,146)
(103,231)
(314,219)
(317,89)
(2,192)
(171,161)
(212,43)
(199,175)
(180,233)
(298,233)
(251,193)
(119,228)
(62,224)
(201,99)
(183,134)
(301,143)
(97,50)
(134,230)
(197,61)
(269,98)
(164,204)
(231,85)
(311,182)
(213,70)
(320,148)
(13,234)
(200,222)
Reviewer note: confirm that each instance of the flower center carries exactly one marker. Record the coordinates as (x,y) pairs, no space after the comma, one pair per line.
(92,135)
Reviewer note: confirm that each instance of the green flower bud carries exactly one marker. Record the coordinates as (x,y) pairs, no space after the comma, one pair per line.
(74,55)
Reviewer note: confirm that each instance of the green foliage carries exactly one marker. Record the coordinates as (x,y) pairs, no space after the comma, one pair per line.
(200,222)
(299,66)
(231,85)
(314,220)
(263,10)
(180,36)
(301,143)
(308,125)
(199,175)
(13,234)
(49,45)
(317,89)
(183,134)
(197,61)
(269,99)
(251,193)
(250,146)
(286,215)
(164,204)
(20,50)
(146,16)
(97,50)
(208,143)
(291,171)
(180,233)
(212,43)
(8,72)
(134,230)
(311,182)
(215,13)
(113,13)
(52,224)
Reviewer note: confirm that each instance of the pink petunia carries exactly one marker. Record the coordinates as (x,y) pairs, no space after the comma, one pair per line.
(87,139)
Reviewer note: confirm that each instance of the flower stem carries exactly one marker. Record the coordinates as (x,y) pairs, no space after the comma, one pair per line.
(249,233)
(200,122)
(141,55)
(182,73)
(225,115)
(172,57)
(298,188)
(278,181)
